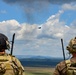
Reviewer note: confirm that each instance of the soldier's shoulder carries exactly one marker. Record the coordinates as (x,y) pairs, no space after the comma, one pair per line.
(60,65)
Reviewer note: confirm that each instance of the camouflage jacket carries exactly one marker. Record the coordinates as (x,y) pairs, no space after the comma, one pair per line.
(10,65)
(61,67)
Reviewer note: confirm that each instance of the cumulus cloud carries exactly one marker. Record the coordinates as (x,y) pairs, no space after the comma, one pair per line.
(27,31)
(24,31)
(9,26)
(51,27)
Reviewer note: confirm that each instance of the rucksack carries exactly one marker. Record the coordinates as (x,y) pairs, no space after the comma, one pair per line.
(7,67)
(71,68)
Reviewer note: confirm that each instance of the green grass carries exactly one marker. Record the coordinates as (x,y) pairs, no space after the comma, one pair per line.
(38,71)
(38,74)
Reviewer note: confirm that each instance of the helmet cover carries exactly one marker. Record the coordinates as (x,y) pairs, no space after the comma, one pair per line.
(4,43)
(72,45)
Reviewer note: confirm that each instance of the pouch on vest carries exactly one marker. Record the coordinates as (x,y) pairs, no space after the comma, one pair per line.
(71,68)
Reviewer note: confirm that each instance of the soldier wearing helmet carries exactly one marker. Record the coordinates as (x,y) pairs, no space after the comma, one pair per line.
(68,67)
(72,46)
(9,65)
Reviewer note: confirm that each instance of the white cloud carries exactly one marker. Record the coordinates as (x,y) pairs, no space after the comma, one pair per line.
(53,28)
(27,31)
(69,6)
(33,41)
(9,27)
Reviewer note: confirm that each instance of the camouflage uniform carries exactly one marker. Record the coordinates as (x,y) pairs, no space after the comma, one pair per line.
(15,69)
(9,65)
(61,68)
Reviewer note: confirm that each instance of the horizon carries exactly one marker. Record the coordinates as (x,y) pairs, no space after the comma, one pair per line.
(40,57)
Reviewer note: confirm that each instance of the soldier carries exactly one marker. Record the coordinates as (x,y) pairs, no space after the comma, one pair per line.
(9,65)
(68,67)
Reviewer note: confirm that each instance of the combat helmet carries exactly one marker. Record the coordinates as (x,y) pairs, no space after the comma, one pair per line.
(72,46)
(4,43)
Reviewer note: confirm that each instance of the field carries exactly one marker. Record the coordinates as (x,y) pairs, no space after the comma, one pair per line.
(38,71)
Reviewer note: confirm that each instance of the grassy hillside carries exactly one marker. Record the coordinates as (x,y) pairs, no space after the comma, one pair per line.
(38,71)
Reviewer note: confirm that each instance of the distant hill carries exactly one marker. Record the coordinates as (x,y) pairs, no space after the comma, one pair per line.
(35,57)
(38,61)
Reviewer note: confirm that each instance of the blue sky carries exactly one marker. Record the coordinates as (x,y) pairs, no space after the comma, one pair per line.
(57,19)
